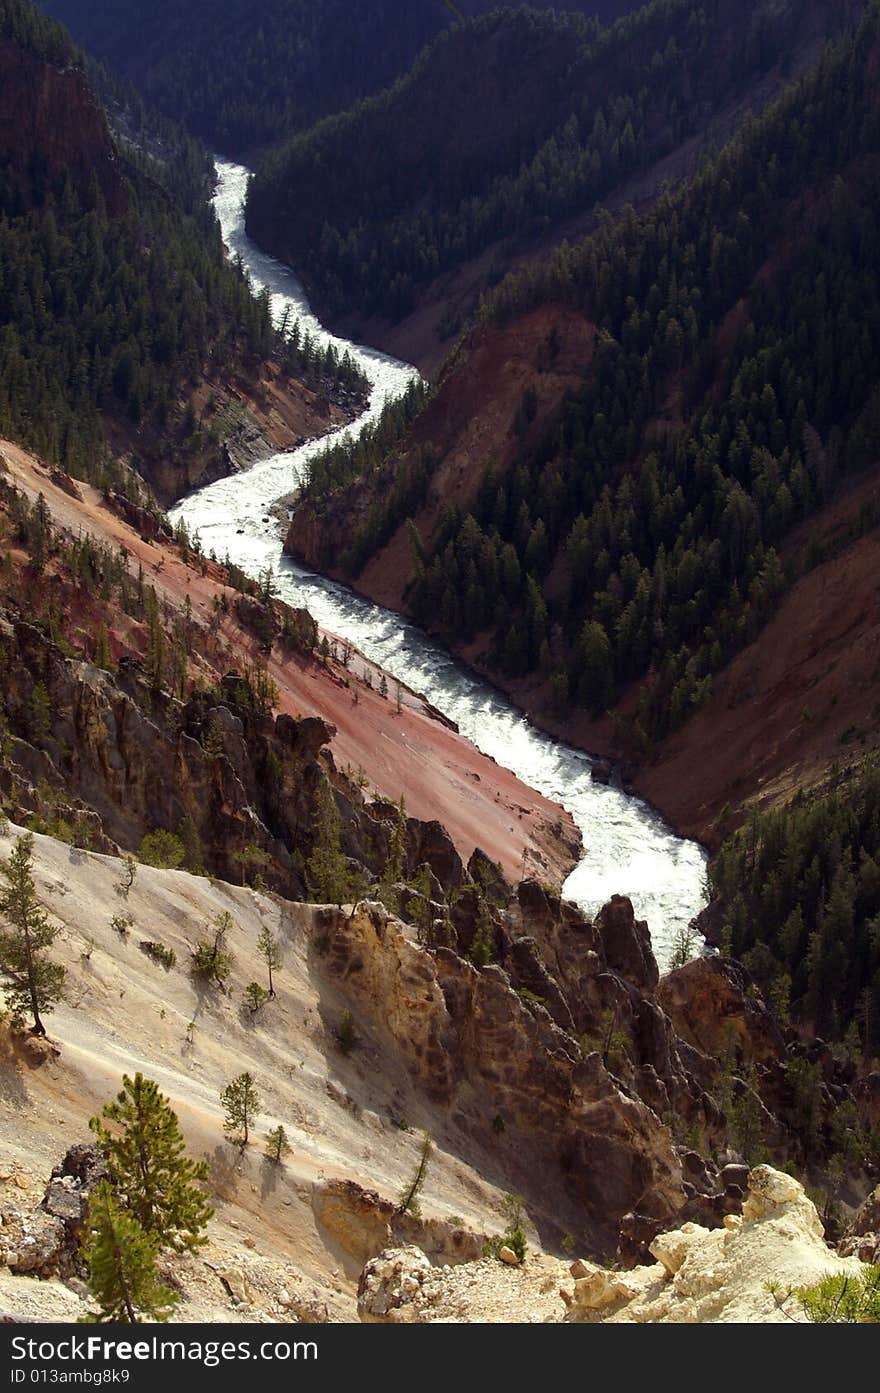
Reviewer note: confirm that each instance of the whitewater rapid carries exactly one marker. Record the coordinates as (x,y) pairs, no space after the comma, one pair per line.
(628,848)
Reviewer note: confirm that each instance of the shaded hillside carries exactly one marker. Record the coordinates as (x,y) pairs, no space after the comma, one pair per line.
(116,302)
(243,79)
(633,529)
(505,135)
(797,894)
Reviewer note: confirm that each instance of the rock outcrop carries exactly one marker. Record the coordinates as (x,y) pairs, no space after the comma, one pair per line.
(507,1077)
(119,762)
(863,1239)
(724,1274)
(45,1242)
(363,1223)
(699,1275)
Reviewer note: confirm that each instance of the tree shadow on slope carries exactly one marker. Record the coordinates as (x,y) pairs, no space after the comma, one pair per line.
(13,1089)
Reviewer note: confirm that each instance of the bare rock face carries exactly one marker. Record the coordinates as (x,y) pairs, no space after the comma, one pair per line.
(401,1287)
(627,942)
(709,1005)
(46,1241)
(429,842)
(863,1241)
(149,524)
(482,1053)
(363,1223)
(31,1244)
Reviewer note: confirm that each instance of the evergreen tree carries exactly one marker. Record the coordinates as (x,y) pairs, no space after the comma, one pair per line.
(103,658)
(328,879)
(151,1175)
(269,947)
(394,866)
(211,957)
(121,1258)
(35,984)
(255,997)
(346,1035)
(277,1145)
(241,1103)
(409,1195)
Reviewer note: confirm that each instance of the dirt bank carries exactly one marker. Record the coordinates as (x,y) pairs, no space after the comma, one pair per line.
(407,751)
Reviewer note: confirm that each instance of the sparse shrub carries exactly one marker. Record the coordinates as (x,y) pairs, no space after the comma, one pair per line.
(159,953)
(211,959)
(514,1236)
(255,997)
(839,1299)
(163,850)
(345,1036)
(612,1044)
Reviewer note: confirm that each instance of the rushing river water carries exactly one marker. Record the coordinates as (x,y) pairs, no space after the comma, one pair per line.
(628,848)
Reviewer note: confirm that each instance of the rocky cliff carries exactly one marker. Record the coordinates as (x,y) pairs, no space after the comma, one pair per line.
(52,127)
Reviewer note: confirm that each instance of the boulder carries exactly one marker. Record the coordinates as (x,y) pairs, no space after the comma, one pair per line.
(390,1282)
(627,942)
(863,1239)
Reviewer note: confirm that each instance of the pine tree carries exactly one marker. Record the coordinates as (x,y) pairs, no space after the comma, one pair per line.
(121,1258)
(683,942)
(277,1145)
(211,958)
(394,866)
(241,1104)
(409,1195)
(269,946)
(151,1176)
(255,997)
(35,984)
(103,657)
(327,875)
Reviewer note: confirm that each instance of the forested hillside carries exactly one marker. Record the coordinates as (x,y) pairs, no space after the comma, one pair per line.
(116,299)
(797,896)
(508,129)
(634,531)
(243,76)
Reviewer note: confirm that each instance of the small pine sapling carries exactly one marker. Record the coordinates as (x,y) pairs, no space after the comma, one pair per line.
(277,1145)
(241,1105)
(409,1203)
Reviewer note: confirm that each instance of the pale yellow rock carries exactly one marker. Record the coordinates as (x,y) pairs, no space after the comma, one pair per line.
(238,1287)
(601,1288)
(509,1256)
(671,1249)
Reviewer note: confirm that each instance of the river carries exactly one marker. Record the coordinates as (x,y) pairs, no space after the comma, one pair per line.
(628,848)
